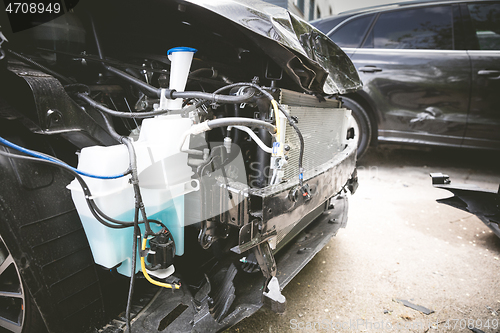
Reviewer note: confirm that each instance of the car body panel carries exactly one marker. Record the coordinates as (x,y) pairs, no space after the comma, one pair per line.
(429,99)
(277,24)
(483,122)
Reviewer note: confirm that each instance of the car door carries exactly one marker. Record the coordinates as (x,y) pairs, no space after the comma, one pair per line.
(482,21)
(416,75)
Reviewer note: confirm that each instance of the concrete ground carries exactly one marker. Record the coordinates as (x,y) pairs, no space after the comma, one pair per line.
(401,244)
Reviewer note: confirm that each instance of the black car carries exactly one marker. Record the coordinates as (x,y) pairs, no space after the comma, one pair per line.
(165,165)
(431,72)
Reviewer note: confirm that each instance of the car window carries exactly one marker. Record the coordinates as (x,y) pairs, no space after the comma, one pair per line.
(486,24)
(326,25)
(351,33)
(419,28)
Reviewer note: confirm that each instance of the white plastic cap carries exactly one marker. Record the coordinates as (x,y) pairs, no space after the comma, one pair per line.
(181,58)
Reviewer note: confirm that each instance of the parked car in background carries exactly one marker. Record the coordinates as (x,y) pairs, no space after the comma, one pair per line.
(431,72)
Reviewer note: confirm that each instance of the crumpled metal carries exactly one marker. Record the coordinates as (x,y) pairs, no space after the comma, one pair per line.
(334,72)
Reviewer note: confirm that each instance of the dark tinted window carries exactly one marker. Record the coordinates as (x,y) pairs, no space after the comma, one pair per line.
(420,28)
(351,33)
(486,23)
(326,25)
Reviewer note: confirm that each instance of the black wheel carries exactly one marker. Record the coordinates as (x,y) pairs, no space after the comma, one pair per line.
(18,313)
(45,253)
(362,125)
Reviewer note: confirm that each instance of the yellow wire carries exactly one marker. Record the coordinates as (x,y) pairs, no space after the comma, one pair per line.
(146,275)
(277,116)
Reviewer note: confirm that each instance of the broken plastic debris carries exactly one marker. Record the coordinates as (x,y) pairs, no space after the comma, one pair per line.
(493,312)
(274,294)
(420,308)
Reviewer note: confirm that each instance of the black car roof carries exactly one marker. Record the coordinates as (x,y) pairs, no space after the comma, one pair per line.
(393,6)
(379,8)
(322,23)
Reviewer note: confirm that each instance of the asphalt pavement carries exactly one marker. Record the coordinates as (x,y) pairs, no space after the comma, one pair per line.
(400,244)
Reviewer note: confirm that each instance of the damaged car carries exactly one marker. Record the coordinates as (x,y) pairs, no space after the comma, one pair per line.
(166,165)
(430,71)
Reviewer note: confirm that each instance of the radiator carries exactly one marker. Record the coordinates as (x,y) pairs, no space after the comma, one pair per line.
(323,126)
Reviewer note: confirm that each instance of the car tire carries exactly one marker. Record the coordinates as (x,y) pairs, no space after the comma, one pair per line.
(42,234)
(19,312)
(362,125)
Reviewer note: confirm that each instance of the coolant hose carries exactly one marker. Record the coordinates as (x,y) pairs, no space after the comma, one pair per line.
(254,136)
(239,121)
(120,114)
(291,121)
(215,98)
(172,94)
(225,122)
(148,89)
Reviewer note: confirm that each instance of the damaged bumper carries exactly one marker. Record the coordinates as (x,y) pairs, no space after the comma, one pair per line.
(472,199)
(181,311)
(233,294)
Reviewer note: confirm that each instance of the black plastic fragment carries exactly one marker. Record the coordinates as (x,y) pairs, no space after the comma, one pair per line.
(484,204)
(303,250)
(476,330)
(224,295)
(420,308)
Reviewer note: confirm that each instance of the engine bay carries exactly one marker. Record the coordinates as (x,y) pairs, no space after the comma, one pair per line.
(193,166)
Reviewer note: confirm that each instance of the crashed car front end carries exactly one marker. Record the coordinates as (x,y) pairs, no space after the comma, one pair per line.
(225,174)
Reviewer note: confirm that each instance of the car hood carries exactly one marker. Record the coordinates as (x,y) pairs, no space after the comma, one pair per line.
(316,63)
(304,53)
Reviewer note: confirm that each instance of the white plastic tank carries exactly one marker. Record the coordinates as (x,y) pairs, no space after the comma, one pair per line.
(164,178)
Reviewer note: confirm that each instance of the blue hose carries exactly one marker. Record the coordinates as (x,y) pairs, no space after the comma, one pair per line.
(48,158)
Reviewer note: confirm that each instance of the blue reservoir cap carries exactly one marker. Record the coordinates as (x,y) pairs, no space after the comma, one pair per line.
(181,49)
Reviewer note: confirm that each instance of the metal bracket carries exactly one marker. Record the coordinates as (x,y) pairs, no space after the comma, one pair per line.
(272,295)
(352,183)
(266,261)
(249,241)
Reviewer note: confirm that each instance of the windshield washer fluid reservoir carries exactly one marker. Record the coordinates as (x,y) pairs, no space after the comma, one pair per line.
(164,179)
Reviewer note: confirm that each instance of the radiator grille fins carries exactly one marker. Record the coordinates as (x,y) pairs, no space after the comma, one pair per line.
(324,132)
